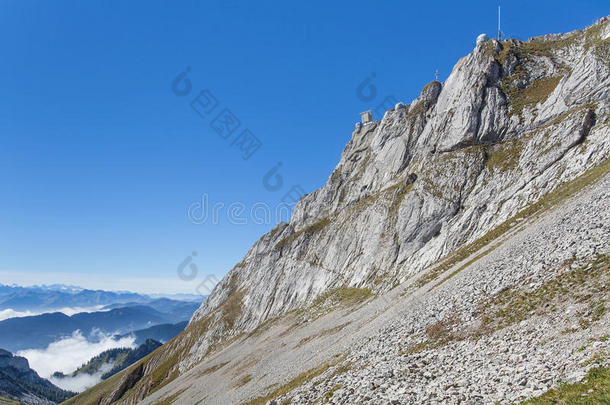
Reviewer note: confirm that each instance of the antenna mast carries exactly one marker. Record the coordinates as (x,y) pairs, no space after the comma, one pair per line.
(499,32)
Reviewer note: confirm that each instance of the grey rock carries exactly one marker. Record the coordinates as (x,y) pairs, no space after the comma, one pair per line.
(409,190)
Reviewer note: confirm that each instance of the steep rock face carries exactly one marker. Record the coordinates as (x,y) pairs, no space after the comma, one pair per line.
(19,382)
(512,122)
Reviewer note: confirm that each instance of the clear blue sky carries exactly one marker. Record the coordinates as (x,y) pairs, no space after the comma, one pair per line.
(100,159)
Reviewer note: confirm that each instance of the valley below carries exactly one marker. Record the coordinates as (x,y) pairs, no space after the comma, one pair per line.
(51,356)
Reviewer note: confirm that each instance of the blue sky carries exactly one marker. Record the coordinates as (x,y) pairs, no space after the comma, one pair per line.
(100,160)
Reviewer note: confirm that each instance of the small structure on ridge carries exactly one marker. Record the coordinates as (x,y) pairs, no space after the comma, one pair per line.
(482,38)
(366,117)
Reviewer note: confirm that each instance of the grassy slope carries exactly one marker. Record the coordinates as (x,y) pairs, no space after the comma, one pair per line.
(594,389)
(8,401)
(92,395)
(546,202)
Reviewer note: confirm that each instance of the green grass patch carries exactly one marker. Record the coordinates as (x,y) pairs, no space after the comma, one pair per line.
(507,49)
(416,348)
(593,390)
(232,307)
(329,394)
(310,229)
(342,297)
(400,190)
(437,334)
(170,354)
(325,332)
(359,206)
(211,369)
(537,92)
(546,48)
(296,382)
(242,381)
(589,36)
(588,283)
(170,399)
(468,263)
(548,201)
(599,310)
(9,401)
(504,156)
(561,117)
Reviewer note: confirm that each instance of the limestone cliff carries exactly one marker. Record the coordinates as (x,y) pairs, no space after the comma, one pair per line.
(513,121)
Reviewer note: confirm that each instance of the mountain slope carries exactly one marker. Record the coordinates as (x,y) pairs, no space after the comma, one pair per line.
(19,382)
(417,199)
(422,341)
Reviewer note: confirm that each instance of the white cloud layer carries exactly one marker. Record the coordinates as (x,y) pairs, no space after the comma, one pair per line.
(10,313)
(67,354)
(82,381)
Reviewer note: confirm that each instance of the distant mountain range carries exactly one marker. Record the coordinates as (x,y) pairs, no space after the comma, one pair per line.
(43,299)
(56,311)
(40,299)
(176,310)
(21,384)
(161,333)
(36,332)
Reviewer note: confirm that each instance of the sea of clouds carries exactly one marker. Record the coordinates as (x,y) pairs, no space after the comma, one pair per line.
(69,353)
(10,313)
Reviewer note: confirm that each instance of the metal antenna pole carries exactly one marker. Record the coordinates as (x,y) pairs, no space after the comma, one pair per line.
(499,32)
(437,75)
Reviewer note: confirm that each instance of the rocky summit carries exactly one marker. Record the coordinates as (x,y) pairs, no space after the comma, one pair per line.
(19,384)
(458,253)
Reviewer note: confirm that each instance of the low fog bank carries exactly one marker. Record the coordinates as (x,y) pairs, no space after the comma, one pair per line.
(69,353)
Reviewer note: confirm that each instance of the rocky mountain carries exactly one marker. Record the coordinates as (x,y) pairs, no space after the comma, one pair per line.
(19,383)
(460,244)
(119,359)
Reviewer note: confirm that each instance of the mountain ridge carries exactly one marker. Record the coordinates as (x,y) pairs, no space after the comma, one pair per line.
(19,382)
(58,296)
(45,299)
(412,199)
